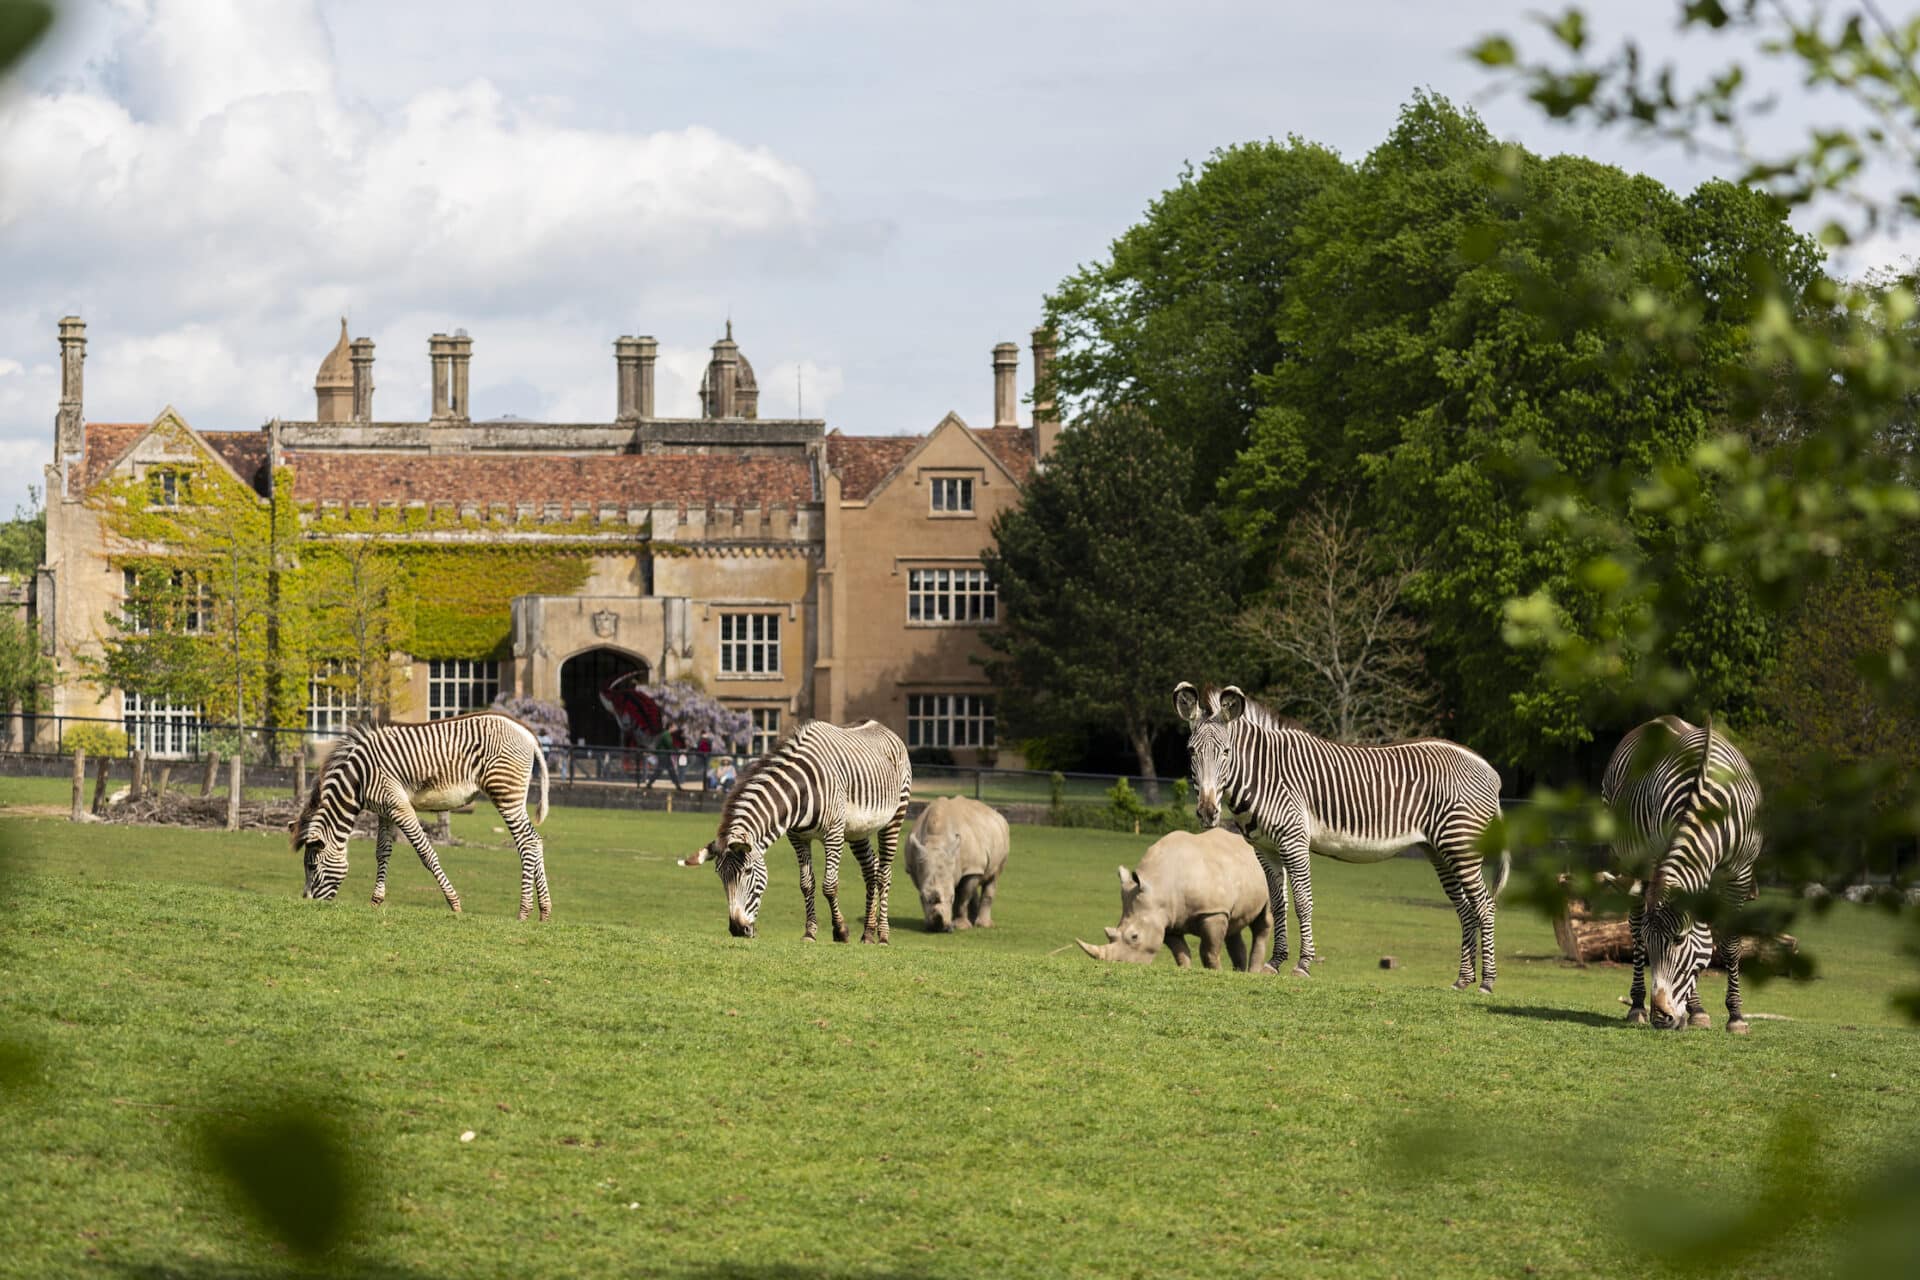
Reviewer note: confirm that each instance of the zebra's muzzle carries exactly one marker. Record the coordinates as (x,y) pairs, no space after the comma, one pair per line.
(739,928)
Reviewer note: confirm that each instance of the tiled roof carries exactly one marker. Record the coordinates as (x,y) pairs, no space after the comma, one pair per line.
(1012,445)
(624,480)
(106,441)
(247,452)
(862,462)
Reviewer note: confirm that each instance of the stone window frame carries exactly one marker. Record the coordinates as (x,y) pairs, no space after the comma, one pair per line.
(945,491)
(194,600)
(456,686)
(924,597)
(743,647)
(767,727)
(166,730)
(330,708)
(957,719)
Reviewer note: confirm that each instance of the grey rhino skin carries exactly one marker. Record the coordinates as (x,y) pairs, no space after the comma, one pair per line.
(1207,883)
(955,854)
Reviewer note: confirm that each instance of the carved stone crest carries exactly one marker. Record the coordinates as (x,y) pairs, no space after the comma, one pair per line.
(605,623)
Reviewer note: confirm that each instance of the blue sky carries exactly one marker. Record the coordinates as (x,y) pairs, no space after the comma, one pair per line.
(876,192)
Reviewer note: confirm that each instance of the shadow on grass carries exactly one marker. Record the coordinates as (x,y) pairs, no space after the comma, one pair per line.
(1586,1017)
(789,1271)
(360,1268)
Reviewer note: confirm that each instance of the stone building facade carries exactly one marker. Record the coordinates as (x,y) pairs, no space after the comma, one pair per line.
(792,572)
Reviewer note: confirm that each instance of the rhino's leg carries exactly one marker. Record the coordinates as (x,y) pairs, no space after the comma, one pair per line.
(1261,940)
(803,853)
(983,910)
(1177,943)
(834,840)
(1213,932)
(1237,950)
(964,893)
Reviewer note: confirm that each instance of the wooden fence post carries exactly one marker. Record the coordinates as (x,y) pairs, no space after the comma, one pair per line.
(79,784)
(166,776)
(139,785)
(213,774)
(100,785)
(300,775)
(233,792)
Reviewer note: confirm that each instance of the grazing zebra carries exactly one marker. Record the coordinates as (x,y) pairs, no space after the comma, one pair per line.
(1686,805)
(397,770)
(839,785)
(1295,793)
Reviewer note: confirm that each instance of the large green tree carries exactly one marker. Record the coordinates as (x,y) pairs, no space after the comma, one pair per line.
(1111,591)
(1444,342)
(1180,318)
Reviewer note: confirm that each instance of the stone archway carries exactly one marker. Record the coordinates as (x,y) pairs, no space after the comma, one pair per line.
(581,678)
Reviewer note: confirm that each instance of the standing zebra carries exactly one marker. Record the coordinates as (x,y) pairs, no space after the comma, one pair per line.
(398,770)
(1295,793)
(1687,806)
(839,785)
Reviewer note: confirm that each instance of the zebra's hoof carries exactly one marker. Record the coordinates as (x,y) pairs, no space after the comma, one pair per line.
(841,933)
(1738,1026)
(379,898)
(1298,971)
(1486,988)
(1637,1017)
(1271,968)
(1699,1021)
(1463,984)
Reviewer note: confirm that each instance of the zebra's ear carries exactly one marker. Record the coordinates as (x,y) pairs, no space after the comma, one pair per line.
(1233,704)
(1186,702)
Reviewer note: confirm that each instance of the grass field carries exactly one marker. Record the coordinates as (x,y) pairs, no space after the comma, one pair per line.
(651,1097)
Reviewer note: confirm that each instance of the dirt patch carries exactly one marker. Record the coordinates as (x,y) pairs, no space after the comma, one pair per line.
(184,809)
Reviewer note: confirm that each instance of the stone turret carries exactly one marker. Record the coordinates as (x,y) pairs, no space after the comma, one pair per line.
(333,385)
(728,388)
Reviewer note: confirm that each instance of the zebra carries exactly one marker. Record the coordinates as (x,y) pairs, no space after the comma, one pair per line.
(841,785)
(398,770)
(1295,793)
(1686,806)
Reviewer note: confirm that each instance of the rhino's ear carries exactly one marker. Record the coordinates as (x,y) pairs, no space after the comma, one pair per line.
(1186,702)
(1233,703)
(1126,878)
(1113,934)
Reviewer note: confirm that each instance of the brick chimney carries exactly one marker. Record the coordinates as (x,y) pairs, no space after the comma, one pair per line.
(1006,396)
(1046,412)
(362,349)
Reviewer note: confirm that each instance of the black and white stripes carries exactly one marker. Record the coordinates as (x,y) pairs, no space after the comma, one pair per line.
(398,770)
(1295,793)
(839,785)
(1686,806)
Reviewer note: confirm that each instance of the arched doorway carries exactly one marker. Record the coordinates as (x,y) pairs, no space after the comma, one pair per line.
(581,678)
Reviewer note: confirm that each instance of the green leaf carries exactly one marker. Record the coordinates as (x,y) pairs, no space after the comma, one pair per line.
(1494,51)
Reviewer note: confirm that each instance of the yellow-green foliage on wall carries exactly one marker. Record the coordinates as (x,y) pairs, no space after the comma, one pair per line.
(463,595)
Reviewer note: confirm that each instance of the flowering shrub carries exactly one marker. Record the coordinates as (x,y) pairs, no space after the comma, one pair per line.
(696,714)
(538,716)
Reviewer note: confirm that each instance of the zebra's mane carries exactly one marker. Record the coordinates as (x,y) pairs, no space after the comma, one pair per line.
(1257,714)
(745,776)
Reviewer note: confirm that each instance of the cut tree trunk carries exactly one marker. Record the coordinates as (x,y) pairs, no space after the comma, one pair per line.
(1583,938)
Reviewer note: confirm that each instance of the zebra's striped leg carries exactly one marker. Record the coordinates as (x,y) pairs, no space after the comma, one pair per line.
(1740,892)
(835,842)
(382,850)
(803,853)
(1479,902)
(1277,908)
(889,847)
(533,870)
(1300,878)
(1462,907)
(863,854)
(1637,995)
(409,824)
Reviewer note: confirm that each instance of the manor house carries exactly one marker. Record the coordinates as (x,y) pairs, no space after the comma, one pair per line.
(794,572)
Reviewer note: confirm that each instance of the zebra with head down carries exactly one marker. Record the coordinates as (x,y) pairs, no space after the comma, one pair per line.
(400,770)
(843,786)
(1686,806)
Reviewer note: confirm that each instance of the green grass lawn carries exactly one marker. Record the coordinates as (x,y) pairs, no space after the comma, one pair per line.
(650,1096)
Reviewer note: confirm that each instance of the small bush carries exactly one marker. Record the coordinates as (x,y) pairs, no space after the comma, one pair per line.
(94,739)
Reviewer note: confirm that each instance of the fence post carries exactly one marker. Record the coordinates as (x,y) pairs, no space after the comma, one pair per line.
(100,786)
(166,776)
(977,774)
(300,774)
(446,825)
(79,784)
(139,786)
(233,792)
(213,774)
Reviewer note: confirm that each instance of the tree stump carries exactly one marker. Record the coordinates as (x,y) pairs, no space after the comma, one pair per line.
(160,786)
(233,793)
(213,774)
(100,786)
(139,784)
(1585,938)
(300,773)
(79,785)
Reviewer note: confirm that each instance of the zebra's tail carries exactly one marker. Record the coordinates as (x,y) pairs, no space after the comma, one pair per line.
(541,756)
(1506,869)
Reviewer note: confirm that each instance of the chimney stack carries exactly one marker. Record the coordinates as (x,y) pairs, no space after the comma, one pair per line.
(1006,396)
(440,353)
(69,430)
(1046,412)
(461,350)
(724,372)
(648,351)
(633,359)
(362,349)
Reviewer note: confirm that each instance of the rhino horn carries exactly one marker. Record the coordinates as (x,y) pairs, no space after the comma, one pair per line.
(1098,953)
(1113,934)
